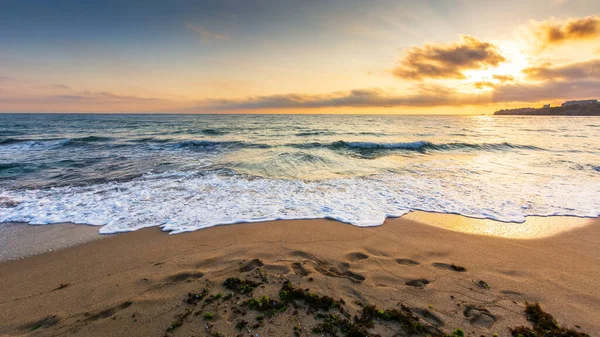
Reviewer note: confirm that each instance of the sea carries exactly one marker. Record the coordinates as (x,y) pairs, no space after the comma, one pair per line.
(188,172)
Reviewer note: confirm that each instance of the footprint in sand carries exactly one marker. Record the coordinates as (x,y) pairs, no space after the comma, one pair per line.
(276,269)
(430,317)
(43,323)
(108,312)
(304,255)
(511,292)
(479,317)
(356,256)
(407,262)
(250,266)
(446,266)
(299,269)
(184,276)
(328,269)
(418,283)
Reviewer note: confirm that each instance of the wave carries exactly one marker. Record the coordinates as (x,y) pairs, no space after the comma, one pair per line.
(213,132)
(419,146)
(209,144)
(91,139)
(151,140)
(63,141)
(187,201)
(9,166)
(315,133)
(11,141)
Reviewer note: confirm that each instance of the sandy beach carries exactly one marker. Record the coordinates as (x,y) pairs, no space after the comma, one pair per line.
(148,283)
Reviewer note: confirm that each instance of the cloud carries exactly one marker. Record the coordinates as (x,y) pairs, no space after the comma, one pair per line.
(575,29)
(205,34)
(484,84)
(573,71)
(448,60)
(550,90)
(25,96)
(426,96)
(504,78)
(102,97)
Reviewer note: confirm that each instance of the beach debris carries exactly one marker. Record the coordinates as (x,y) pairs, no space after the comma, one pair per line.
(482,284)
(458,268)
(61,286)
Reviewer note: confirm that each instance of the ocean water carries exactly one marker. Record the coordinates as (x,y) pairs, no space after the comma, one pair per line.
(187,172)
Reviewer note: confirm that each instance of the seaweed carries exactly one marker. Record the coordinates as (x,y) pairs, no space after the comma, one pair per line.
(544,325)
(179,320)
(289,293)
(266,306)
(240,286)
(194,298)
(241,324)
(263,276)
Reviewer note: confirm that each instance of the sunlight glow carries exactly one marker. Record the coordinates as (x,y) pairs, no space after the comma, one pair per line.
(484,80)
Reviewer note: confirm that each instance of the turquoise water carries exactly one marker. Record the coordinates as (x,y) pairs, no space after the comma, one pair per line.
(185,172)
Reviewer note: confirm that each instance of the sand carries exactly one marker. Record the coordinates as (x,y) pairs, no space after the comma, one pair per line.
(136,284)
(18,240)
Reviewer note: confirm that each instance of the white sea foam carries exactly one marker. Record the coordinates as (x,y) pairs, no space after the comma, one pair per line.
(181,202)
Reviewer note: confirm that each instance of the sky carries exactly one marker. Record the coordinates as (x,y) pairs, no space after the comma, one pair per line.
(296,56)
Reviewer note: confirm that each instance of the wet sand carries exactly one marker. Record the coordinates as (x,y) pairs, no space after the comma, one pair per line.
(137,284)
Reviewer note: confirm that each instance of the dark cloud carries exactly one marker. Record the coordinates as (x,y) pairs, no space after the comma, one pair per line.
(550,90)
(427,96)
(575,29)
(448,60)
(574,71)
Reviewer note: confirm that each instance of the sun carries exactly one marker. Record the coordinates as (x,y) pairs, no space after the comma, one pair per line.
(484,80)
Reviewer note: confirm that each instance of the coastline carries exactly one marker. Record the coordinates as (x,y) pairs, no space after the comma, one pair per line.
(21,240)
(81,290)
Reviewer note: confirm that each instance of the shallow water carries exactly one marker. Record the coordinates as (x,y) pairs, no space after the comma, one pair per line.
(186,172)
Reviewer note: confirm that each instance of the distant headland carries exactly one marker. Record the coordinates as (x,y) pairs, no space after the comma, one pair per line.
(589,107)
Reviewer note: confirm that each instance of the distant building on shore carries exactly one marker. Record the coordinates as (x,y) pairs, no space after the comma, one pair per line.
(546,106)
(585,102)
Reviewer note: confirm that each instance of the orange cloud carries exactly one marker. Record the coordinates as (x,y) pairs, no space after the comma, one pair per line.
(572,30)
(448,60)
(484,84)
(504,78)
